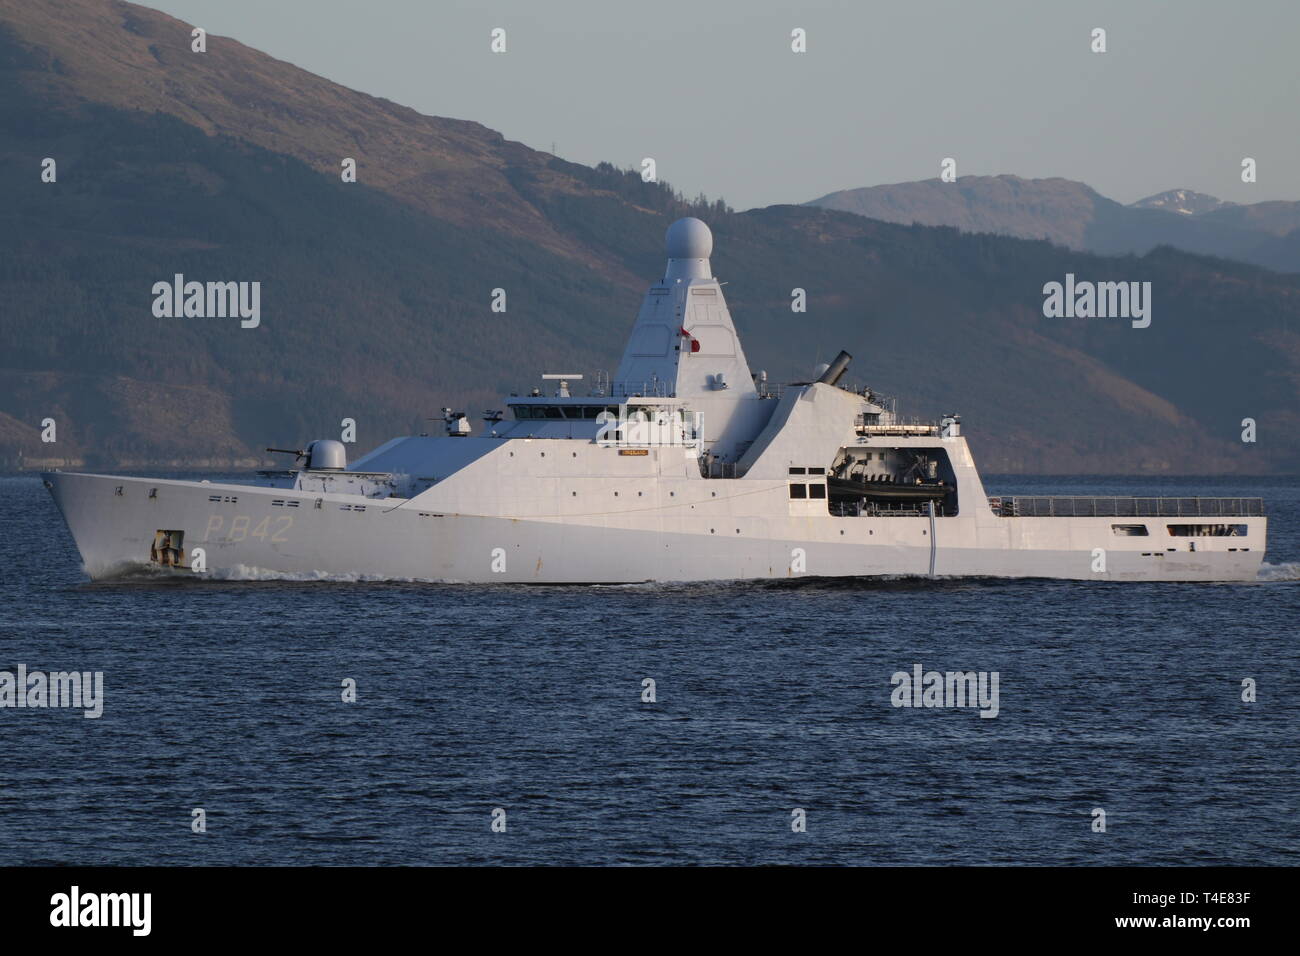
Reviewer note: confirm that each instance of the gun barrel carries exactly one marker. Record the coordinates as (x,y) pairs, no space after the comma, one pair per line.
(835,371)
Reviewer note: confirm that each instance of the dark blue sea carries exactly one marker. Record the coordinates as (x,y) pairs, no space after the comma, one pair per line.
(770,697)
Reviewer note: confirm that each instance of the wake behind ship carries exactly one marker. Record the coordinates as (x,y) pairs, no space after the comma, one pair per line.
(683,467)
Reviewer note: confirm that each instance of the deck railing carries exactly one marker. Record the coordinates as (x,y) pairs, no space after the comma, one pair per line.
(720,469)
(865,426)
(1022,506)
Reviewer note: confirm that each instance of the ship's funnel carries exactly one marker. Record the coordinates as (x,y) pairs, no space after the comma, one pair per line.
(688,243)
(835,371)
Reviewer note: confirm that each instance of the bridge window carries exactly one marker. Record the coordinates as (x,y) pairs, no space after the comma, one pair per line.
(568,412)
(1207,530)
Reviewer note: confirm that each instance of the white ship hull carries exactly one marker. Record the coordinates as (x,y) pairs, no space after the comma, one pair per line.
(685,466)
(713,540)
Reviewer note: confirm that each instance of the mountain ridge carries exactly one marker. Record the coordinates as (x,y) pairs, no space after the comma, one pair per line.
(1075,215)
(376,294)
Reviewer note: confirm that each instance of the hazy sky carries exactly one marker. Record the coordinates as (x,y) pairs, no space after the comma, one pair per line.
(712,91)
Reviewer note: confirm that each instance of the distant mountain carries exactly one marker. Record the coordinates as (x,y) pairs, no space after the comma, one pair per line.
(376,295)
(1277,218)
(1182,201)
(1055,209)
(1072,214)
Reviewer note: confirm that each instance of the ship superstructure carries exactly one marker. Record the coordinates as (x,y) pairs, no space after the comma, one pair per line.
(684,466)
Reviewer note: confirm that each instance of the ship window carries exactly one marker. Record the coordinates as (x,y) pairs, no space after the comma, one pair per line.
(552,412)
(816,491)
(797,471)
(798,491)
(816,471)
(1130,530)
(1207,530)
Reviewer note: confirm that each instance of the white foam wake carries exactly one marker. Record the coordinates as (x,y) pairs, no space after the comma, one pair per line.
(1286,571)
(135,571)
(244,572)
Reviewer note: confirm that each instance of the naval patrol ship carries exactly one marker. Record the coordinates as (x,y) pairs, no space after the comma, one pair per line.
(682,467)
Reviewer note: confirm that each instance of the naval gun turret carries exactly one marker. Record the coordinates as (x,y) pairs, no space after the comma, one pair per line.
(323,454)
(457,423)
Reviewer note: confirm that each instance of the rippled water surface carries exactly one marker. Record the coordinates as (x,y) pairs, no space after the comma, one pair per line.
(227,696)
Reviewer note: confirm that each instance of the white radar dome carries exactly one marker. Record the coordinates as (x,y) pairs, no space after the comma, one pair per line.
(689,238)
